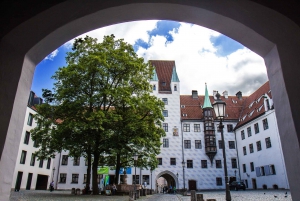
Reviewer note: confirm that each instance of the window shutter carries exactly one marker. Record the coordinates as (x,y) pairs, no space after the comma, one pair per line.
(257,169)
(267,170)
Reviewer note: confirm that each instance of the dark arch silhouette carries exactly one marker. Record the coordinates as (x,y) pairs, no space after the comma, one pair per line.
(265,31)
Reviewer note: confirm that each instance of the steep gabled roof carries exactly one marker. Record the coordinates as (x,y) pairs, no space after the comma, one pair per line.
(254,105)
(164,71)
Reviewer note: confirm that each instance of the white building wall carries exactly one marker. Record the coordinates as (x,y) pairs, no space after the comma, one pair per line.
(26,168)
(267,156)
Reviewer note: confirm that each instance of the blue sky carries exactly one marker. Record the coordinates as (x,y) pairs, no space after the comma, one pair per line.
(201,55)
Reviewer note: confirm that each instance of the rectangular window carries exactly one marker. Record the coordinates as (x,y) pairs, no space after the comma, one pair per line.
(244,151)
(75,178)
(187,144)
(30,118)
(256,128)
(233,163)
(258,145)
(165,143)
(268,142)
(136,180)
(244,168)
(220,144)
(41,164)
(165,100)
(189,163)
(165,127)
(262,171)
(252,166)
(251,148)
(218,164)
(231,144)
(27,137)
(165,113)
(186,127)
(48,163)
(203,163)
(86,163)
(219,181)
(146,179)
(76,161)
(265,124)
(198,144)
(243,134)
(23,157)
(196,127)
(229,128)
(64,160)
(159,161)
(84,178)
(249,131)
(35,144)
(62,178)
(272,169)
(172,161)
(32,161)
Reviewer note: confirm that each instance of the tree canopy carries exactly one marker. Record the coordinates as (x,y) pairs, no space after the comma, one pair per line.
(101,106)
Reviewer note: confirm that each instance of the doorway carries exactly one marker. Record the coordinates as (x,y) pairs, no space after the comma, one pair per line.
(28,185)
(192,185)
(41,182)
(18,181)
(254,184)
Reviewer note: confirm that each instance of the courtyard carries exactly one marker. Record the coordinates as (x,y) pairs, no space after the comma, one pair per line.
(248,195)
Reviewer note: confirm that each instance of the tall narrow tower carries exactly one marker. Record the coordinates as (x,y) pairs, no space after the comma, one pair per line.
(209,128)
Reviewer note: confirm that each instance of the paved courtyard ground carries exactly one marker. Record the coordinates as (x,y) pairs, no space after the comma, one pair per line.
(248,195)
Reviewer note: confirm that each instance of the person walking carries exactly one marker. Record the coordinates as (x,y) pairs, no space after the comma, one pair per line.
(51,186)
(114,188)
(174,189)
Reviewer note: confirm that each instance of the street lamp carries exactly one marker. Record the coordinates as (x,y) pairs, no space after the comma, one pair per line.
(135,157)
(151,180)
(183,166)
(219,108)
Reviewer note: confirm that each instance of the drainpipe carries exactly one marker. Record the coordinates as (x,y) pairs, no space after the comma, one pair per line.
(58,171)
(183,173)
(237,153)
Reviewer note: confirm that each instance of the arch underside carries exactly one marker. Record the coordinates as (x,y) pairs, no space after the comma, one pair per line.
(264,31)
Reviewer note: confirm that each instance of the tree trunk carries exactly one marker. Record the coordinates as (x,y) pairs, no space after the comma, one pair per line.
(88,179)
(95,168)
(118,164)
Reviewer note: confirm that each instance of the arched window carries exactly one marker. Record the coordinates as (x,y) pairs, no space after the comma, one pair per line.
(175,87)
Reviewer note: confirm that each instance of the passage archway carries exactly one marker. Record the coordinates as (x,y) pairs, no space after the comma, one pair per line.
(268,33)
(164,180)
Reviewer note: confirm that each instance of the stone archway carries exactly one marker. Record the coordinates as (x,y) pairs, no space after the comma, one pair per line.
(263,30)
(170,177)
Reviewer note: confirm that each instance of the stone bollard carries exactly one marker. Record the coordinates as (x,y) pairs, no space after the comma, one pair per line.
(193,195)
(199,197)
(137,194)
(77,191)
(145,192)
(73,191)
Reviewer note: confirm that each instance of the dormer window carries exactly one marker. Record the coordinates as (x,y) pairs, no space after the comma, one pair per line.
(175,87)
(182,106)
(251,113)
(259,109)
(163,83)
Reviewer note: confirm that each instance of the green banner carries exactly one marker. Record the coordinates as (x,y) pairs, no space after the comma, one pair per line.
(103,170)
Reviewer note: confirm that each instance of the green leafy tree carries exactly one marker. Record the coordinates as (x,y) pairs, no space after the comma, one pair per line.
(82,112)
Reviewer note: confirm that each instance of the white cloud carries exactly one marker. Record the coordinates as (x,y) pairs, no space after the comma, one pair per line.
(52,55)
(195,57)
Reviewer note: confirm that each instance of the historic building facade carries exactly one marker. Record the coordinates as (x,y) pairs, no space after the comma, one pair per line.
(191,152)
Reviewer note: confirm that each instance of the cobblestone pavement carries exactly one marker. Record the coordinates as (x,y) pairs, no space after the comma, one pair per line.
(248,195)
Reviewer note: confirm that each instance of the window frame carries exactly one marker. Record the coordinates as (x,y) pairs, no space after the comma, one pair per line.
(242,134)
(75,179)
(23,157)
(268,142)
(244,150)
(256,128)
(252,167)
(219,181)
(48,163)
(165,113)
(218,163)
(159,161)
(265,124)
(32,160)
(30,119)
(165,127)
(189,164)
(204,164)
(165,143)
(62,178)
(172,161)
(197,128)
(231,144)
(251,148)
(249,131)
(76,161)
(187,144)
(198,144)
(244,168)
(229,128)
(27,137)
(258,145)
(186,127)
(165,100)
(234,163)
(41,163)
(64,159)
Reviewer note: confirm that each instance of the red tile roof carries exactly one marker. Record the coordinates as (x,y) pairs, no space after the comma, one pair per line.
(164,71)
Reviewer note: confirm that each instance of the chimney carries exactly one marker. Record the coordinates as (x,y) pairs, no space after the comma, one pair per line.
(225,94)
(214,94)
(194,93)
(239,95)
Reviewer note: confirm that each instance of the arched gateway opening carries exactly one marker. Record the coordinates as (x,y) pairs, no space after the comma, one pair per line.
(165,180)
(268,33)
